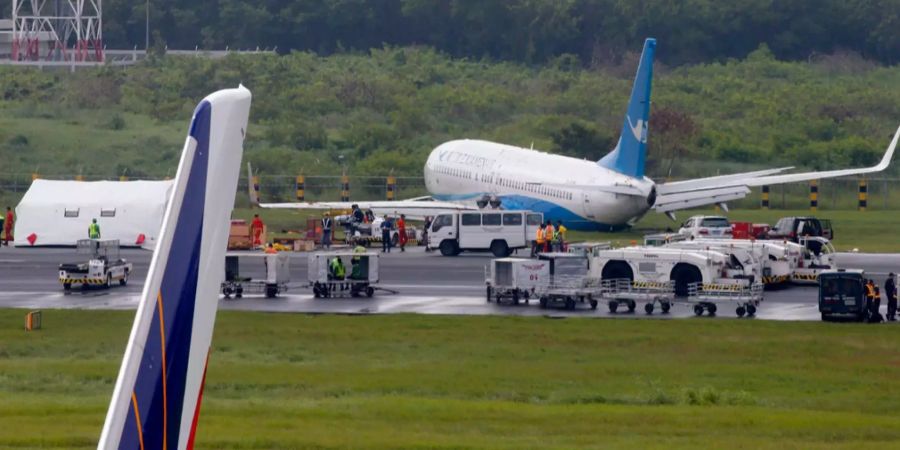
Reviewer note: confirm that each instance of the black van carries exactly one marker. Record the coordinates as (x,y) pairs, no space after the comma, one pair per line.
(793,228)
(842,293)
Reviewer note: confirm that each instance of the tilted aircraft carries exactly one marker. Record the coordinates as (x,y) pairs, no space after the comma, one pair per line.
(157,396)
(608,194)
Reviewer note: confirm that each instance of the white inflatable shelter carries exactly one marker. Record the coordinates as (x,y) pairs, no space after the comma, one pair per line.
(59,212)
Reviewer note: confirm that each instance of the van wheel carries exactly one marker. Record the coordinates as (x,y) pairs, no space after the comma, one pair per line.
(449,248)
(124,279)
(500,249)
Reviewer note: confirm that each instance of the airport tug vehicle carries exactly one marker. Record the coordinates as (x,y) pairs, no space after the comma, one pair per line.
(277,270)
(103,269)
(703,278)
(358,276)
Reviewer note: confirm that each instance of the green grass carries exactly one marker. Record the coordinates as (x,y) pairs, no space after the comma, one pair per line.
(405,381)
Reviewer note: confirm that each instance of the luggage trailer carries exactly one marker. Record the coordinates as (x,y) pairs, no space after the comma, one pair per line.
(360,278)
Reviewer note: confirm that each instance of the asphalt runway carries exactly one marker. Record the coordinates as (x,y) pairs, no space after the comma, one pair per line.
(425,283)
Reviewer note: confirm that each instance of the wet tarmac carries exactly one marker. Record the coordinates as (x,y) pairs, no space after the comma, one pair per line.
(413,282)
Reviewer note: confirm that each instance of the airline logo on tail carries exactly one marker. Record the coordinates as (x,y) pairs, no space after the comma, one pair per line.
(639,130)
(156,401)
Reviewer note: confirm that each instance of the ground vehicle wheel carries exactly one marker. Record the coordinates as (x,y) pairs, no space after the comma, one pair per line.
(826,317)
(570,303)
(543,302)
(665,307)
(683,275)
(109,280)
(239,291)
(751,310)
(593,303)
(271,291)
(711,309)
(488,294)
(500,249)
(227,291)
(449,248)
(67,286)
(370,291)
(740,311)
(698,310)
(648,308)
(316,292)
(632,305)
(124,279)
(613,306)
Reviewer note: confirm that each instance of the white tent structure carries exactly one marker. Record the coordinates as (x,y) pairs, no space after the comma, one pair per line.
(59,212)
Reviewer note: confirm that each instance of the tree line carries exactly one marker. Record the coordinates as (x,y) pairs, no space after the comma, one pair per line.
(597,32)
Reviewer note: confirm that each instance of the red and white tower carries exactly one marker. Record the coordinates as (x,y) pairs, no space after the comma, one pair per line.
(57,30)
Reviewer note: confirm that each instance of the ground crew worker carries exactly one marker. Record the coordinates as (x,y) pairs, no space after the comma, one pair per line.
(386,226)
(356,261)
(560,238)
(890,290)
(270,249)
(94,230)
(428,221)
(256,230)
(8,226)
(548,236)
(336,270)
(870,300)
(538,244)
(326,231)
(401,229)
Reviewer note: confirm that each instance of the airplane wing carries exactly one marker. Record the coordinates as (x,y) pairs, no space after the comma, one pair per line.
(719,189)
(415,208)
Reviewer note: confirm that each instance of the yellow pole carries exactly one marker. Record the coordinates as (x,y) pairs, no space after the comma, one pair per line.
(301,187)
(863,194)
(813,195)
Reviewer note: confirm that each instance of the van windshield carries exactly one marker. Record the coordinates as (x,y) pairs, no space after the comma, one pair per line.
(715,222)
(443,220)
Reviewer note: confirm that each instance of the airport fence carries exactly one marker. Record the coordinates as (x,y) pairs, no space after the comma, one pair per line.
(833,194)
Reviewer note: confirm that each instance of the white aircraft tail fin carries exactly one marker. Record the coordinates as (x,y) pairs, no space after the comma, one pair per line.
(156,401)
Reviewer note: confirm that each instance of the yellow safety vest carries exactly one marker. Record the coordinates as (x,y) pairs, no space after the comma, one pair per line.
(94,231)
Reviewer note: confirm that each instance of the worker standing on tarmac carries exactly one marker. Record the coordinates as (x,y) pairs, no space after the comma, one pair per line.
(548,236)
(559,239)
(94,229)
(8,226)
(890,290)
(401,230)
(870,298)
(538,245)
(386,226)
(326,231)
(427,227)
(356,263)
(876,315)
(256,230)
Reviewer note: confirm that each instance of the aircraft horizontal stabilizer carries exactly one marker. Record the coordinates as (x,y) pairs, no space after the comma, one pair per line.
(685,200)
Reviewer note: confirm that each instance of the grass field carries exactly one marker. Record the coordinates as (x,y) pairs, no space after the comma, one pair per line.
(314,381)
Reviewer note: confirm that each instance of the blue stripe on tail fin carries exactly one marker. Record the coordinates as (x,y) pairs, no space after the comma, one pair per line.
(630,154)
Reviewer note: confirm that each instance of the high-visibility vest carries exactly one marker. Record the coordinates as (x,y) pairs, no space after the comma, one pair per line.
(562,232)
(326,223)
(337,268)
(548,233)
(540,236)
(870,291)
(94,231)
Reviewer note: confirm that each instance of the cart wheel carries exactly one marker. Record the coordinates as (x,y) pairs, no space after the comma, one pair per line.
(648,308)
(751,310)
(271,291)
(593,303)
(124,279)
(370,291)
(740,311)
(665,307)
(226,291)
(239,291)
(712,310)
(570,303)
(613,306)
(698,310)
(316,292)
(543,302)
(632,305)
(67,286)
(498,298)
(488,294)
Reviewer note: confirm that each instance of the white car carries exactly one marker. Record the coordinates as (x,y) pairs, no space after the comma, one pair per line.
(706,227)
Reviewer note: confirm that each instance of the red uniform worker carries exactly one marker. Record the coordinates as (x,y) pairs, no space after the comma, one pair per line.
(401,229)
(256,230)
(8,225)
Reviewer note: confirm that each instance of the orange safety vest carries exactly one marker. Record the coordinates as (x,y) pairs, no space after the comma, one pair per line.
(870,291)
(548,233)
(540,236)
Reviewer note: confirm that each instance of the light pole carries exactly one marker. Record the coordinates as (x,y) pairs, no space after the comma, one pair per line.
(147,27)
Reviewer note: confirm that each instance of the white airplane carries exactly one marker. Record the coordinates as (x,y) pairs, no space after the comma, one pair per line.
(608,194)
(156,400)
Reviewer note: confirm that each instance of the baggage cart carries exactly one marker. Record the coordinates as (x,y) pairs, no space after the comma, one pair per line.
(515,279)
(360,275)
(624,291)
(277,270)
(569,283)
(706,297)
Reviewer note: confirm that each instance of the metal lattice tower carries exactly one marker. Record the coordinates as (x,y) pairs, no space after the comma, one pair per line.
(70,30)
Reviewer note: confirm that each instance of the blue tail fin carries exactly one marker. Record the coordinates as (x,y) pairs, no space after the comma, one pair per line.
(630,153)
